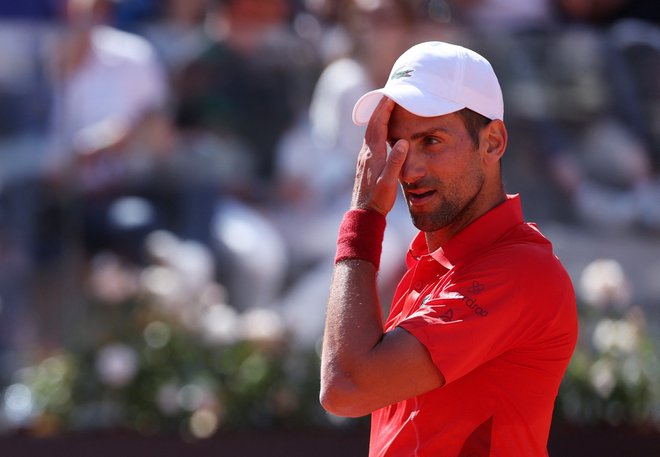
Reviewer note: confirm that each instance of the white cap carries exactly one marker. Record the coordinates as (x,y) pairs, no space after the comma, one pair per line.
(436,78)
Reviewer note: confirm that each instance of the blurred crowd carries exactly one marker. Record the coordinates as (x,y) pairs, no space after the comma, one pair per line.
(225,124)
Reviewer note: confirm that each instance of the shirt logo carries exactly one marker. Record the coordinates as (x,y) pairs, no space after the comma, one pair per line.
(402,72)
(471,303)
(476,288)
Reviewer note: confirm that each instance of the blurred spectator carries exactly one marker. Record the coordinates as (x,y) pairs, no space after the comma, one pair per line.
(331,38)
(605,12)
(107,84)
(178,34)
(250,83)
(603,101)
(568,76)
(637,42)
(108,96)
(595,125)
(504,15)
(234,100)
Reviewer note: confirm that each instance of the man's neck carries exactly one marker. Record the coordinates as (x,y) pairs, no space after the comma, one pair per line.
(472,212)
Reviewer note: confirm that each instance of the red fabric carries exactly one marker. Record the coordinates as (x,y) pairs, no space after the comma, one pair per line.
(496,311)
(361,236)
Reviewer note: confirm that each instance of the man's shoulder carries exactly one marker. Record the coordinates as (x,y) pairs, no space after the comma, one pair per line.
(522,256)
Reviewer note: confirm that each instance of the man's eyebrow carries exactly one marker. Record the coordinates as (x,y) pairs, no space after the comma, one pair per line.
(430,131)
(418,135)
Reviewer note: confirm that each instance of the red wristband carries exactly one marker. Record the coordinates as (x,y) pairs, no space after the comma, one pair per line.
(361,236)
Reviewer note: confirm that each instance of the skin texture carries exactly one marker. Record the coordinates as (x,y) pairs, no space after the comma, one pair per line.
(447,183)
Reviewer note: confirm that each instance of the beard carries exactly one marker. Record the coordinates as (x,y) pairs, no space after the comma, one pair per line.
(444,215)
(453,206)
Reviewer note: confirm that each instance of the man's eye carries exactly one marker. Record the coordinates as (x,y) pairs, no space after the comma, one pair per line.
(431,140)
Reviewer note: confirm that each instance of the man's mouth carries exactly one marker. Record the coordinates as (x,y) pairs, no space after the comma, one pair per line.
(419,198)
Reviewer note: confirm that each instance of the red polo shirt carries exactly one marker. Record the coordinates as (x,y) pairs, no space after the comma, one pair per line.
(496,311)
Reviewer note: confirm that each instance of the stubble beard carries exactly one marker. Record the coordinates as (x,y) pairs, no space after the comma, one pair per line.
(438,219)
(451,210)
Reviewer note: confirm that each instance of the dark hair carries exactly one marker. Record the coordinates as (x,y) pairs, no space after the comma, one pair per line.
(473,122)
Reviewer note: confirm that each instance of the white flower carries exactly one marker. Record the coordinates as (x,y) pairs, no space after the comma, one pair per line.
(194,396)
(162,247)
(157,334)
(212,294)
(263,325)
(602,377)
(111,281)
(195,264)
(220,324)
(603,283)
(116,364)
(191,261)
(615,335)
(190,397)
(163,283)
(203,423)
(18,403)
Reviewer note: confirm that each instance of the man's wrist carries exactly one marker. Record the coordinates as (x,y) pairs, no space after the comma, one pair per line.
(361,236)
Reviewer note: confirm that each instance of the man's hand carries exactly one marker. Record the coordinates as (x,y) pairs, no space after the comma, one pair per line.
(363,368)
(377,175)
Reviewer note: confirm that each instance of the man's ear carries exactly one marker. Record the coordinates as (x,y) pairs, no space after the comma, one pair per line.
(493,141)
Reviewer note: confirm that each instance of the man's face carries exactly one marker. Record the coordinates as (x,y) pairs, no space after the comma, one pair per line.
(443,175)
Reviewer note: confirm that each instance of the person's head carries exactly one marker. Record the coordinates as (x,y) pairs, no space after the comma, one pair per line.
(449,109)
(186,12)
(254,13)
(87,13)
(380,30)
(247,25)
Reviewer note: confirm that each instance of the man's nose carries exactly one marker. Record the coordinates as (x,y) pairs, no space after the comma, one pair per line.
(413,168)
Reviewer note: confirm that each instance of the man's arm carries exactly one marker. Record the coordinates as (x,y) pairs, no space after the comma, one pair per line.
(362,368)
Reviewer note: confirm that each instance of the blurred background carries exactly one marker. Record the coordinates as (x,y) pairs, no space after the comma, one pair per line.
(173,173)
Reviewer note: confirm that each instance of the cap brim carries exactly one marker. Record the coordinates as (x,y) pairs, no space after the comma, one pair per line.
(408,97)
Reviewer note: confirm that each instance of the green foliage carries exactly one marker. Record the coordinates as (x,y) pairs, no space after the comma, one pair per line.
(614,376)
(182,361)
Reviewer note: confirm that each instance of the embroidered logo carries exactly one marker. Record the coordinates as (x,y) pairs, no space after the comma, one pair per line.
(402,72)
(476,288)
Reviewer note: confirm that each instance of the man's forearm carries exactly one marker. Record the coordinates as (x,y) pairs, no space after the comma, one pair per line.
(354,326)
(355,371)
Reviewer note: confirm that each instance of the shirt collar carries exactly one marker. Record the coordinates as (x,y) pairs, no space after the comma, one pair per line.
(480,233)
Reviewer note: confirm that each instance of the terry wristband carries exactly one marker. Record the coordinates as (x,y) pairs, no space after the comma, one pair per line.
(361,236)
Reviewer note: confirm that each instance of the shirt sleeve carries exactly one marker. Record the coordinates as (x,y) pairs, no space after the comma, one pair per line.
(472,317)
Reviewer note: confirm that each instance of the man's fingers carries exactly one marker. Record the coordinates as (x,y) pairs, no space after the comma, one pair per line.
(395,162)
(377,174)
(381,114)
(380,118)
(383,194)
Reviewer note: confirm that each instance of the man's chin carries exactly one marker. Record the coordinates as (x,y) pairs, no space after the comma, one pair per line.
(427,221)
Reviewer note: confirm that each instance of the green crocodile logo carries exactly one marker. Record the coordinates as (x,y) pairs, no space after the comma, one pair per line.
(403,72)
